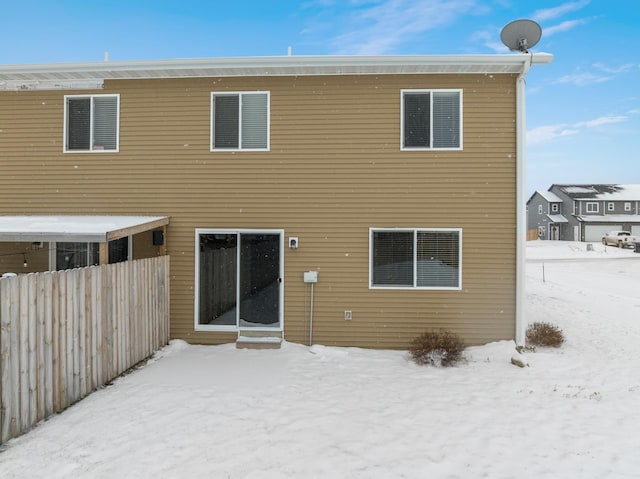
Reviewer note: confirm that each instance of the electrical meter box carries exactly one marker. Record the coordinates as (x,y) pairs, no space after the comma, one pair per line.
(310,276)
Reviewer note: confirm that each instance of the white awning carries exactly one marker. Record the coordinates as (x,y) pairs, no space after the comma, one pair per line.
(557,219)
(68,228)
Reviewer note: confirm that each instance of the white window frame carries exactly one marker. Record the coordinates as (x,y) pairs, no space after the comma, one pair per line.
(627,206)
(415,254)
(611,206)
(540,209)
(430,91)
(240,95)
(592,207)
(91,149)
(555,207)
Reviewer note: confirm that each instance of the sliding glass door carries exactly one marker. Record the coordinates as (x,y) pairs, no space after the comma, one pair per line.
(239,277)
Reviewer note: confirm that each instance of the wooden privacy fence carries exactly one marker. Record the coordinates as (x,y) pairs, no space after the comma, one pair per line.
(532,235)
(64,334)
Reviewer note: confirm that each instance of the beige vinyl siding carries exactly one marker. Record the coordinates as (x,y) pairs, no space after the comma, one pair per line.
(334,170)
(143,246)
(13,256)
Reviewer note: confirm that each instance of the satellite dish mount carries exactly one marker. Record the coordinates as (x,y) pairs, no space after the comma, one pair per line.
(520,35)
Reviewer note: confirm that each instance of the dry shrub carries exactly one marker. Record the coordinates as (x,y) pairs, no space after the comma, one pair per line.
(437,348)
(545,334)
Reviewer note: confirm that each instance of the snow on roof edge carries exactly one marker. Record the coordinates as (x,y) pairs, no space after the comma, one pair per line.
(90,228)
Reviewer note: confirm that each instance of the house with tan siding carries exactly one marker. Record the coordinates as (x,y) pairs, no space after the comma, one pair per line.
(351,201)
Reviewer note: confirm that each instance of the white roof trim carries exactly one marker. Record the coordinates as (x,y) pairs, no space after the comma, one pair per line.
(90,229)
(59,73)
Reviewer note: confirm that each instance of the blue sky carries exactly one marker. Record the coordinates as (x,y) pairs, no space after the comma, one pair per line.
(583,110)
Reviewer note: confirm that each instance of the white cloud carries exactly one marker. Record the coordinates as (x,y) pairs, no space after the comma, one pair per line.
(490,40)
(591,78)
(380,28)
(559,11)
(603,120)
(621,69)
(545,134)
(582,79)
(562,27)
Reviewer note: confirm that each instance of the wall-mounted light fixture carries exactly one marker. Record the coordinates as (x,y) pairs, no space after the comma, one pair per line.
(158,238)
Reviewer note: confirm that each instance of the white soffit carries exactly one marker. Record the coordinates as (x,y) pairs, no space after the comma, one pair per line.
(68,228)
(62,73)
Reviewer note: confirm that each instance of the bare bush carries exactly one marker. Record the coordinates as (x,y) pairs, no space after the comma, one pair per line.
(544,334)
(437,348)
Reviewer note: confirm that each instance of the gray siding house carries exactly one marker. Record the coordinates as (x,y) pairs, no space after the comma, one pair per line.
(584,212)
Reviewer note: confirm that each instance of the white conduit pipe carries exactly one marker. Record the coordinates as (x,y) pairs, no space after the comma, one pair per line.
(311,318)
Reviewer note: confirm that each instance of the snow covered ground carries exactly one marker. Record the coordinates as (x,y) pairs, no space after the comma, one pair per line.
(320,412)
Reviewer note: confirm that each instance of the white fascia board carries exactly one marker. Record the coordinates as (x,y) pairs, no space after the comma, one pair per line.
(272,66)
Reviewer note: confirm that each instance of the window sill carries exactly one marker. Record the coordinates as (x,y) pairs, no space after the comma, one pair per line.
(403,148)
(238,150)
(91,151)
(417,288)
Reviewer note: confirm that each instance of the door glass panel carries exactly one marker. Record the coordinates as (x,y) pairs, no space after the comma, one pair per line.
(259,280)
(218,279)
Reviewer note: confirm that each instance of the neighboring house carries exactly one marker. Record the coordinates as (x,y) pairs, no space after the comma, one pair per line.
(545,216)
(349,201)
(584,212)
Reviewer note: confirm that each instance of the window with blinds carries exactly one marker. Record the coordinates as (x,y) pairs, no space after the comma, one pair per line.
(415,258)
(240,121)
(91,123)
(431,119)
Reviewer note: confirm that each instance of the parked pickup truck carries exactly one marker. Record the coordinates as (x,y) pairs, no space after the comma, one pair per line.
(621,239)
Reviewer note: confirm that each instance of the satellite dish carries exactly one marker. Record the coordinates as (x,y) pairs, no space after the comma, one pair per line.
(520,35)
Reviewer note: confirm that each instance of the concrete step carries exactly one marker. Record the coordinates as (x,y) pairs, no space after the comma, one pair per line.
(258,342)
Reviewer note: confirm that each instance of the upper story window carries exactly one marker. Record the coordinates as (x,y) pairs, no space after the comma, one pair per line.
(431,120)
(611,206)
(555,207)
(415,258)
(240,121)
(627,206)
(592,207)
(91,123)
(540,209)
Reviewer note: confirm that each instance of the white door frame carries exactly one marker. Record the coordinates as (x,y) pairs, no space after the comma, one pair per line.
(239,232)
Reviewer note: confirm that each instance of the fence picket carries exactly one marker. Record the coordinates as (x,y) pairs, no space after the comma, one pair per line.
(48,356)
(23,342)
(81,334)
(6,383)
